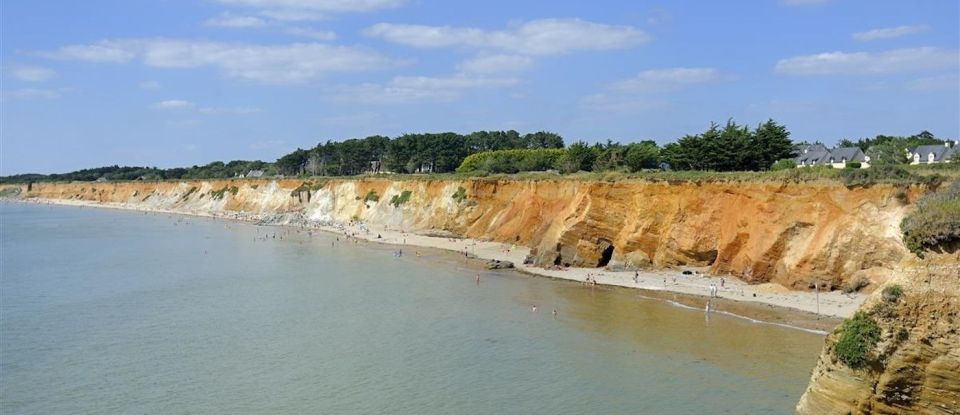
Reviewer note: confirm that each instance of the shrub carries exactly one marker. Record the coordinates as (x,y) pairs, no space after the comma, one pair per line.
(400,199)
(935,223)
(892,293)
(860,335)
(876,174)
(512,161)
(852,165)
(460,195)
(784,164)
(371,197)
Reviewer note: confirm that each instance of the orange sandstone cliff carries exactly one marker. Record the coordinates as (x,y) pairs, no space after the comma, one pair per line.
(788,233)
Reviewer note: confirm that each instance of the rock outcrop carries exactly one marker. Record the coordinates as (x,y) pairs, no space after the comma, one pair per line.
(915,367)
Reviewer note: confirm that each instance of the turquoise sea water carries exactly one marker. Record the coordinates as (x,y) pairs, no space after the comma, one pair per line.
(108,312)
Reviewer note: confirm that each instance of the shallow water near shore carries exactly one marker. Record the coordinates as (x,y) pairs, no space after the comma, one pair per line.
(105,311)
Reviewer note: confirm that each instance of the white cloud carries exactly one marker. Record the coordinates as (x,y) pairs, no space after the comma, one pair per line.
(183,105)
(668,79)
(536,37)
(31,73)
(149,85)
(404,89)
(234,21)
(274,64)
(889,32)
(173,104)
(486,64)
(226,111)
(866,63)
(321,35)
(945,82)
(29,93)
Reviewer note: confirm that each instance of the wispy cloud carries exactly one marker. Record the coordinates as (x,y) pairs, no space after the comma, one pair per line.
(536,37)
(30,73)
(184,105)
(149,85)
(866,63)
(405,89)
(234,21)
(944,82)
(669,79)
(33,93)
(272,64)
(889,32)
(646,91)
(173,104)
(486,64)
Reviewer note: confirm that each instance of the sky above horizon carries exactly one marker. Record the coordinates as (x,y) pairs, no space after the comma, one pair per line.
(178,83)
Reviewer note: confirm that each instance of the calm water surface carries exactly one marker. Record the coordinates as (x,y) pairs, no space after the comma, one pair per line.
(106,312)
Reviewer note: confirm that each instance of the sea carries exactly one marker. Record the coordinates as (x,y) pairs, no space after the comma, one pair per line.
(108,311)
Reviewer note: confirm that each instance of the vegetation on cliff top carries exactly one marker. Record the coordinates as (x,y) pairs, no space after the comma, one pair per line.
(935,223)
(726,152)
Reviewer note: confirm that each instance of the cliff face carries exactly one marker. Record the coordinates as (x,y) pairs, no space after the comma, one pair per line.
(915,367)
(791,234)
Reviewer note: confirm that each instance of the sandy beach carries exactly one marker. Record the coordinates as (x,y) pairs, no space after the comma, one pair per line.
(812,311)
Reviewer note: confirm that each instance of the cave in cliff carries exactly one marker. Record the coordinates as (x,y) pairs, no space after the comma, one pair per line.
(606,252)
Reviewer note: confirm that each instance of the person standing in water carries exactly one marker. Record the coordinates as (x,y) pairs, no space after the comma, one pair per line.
(554,312)
(478,279)
(534,310)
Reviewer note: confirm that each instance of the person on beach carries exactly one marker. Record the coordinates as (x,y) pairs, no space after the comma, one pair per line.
(636,277)
(722,281)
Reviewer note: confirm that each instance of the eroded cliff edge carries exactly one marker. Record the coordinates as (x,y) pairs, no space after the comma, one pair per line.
(914,368)
(788,233)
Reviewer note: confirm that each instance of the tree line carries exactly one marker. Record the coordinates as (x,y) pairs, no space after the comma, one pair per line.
(728,147)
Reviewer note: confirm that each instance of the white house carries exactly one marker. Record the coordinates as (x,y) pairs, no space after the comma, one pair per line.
(934,153)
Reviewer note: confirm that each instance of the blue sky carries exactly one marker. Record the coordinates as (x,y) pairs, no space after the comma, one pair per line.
(170,83)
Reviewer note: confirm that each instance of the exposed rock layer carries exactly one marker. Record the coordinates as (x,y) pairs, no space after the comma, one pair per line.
(915,368)
(791,234)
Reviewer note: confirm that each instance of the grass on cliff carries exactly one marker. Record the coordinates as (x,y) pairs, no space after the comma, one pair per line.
(859,336)
(400,199)
(935,223)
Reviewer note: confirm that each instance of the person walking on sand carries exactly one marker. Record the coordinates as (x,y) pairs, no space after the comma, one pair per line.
(636,277)
(722,281)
